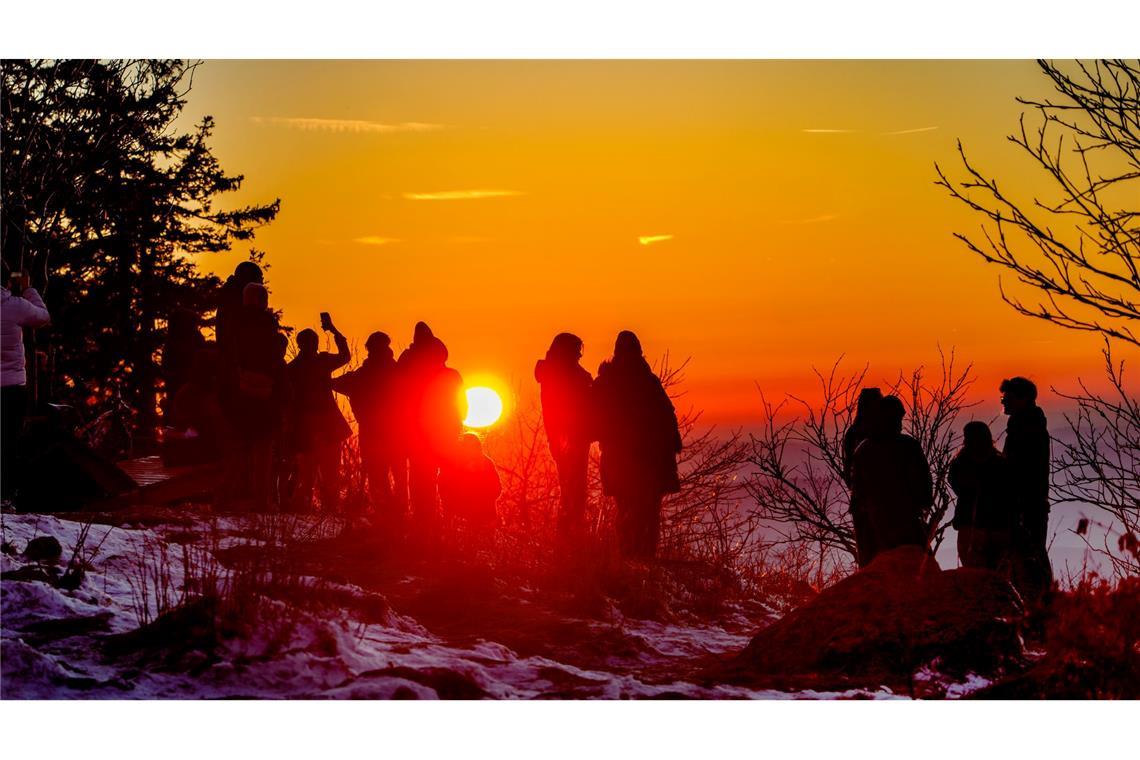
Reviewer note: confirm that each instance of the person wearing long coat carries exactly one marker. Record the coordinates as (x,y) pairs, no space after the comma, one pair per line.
(1027,449)
(565,415)
(253,390)
(432,395)
(985,514)
(890,479)
(637,430)
(859,431)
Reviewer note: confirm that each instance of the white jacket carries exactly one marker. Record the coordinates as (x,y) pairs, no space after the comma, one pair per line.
(16,313)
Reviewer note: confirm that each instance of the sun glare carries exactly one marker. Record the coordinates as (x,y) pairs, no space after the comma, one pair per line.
(484,407)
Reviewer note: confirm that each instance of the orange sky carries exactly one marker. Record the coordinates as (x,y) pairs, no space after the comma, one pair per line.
(758,217)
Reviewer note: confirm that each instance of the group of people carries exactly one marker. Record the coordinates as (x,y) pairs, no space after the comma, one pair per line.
(628,412)
(277,427)
(1002,509)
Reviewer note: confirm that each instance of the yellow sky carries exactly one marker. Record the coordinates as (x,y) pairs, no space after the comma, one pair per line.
(758,217)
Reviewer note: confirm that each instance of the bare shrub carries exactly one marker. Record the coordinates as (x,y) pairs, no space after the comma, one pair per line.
(1099,464)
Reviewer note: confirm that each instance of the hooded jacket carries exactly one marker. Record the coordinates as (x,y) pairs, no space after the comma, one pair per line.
(636,426)
(16,313)
(891,483)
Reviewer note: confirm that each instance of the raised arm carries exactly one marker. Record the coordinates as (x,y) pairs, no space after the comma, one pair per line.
(32,312)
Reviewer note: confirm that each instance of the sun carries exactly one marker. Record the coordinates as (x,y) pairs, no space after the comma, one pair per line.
(484,407)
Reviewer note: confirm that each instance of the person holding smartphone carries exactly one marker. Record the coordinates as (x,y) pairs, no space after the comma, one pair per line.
(318,426)
(20,308)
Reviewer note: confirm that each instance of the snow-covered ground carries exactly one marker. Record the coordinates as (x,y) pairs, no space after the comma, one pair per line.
(296,653)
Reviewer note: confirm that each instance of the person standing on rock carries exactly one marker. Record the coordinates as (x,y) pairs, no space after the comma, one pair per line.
(1027,451)
(984,514)
(640,439)
(565,416)
(891,480)
(859,431)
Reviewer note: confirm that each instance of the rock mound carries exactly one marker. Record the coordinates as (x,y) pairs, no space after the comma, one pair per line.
(886,621)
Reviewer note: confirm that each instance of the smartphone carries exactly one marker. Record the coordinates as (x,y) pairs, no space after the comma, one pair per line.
(326,321)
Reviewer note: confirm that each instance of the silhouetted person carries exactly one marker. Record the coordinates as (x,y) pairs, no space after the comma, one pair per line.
(984,514)
(469,486)
(890,479)
(566,417)
(434,398)
(196,422)
(859,431)
(421,337)
(183,341)
(253,394)
(318,426)
(639,437)
(230,300)
(20,307)
(1027,451)
(373,392)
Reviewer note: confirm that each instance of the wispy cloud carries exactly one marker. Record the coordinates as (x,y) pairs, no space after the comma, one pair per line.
(351,126)
(812,219)
(856,131)
(374,240)
(651,239)
(460,195)
(911,131)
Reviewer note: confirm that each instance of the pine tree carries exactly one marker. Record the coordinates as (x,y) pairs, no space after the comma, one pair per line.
(108,206)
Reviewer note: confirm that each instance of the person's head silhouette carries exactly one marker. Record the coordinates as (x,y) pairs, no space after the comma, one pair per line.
(308,342)
(470,447)
(422,333)
(248,271)
(889,416)
(869,400)
(566,347)
(378,345)
(976,436)
(627,346)
(1017,393)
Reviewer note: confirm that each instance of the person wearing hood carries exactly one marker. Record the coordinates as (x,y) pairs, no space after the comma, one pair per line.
(372,392)
(890,480)
(859,431)
(565,399)
(433,394)
(984,514)
(230,300)
(1027,451)
(637,430)
(252,393)
(318,426)
(20,307)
